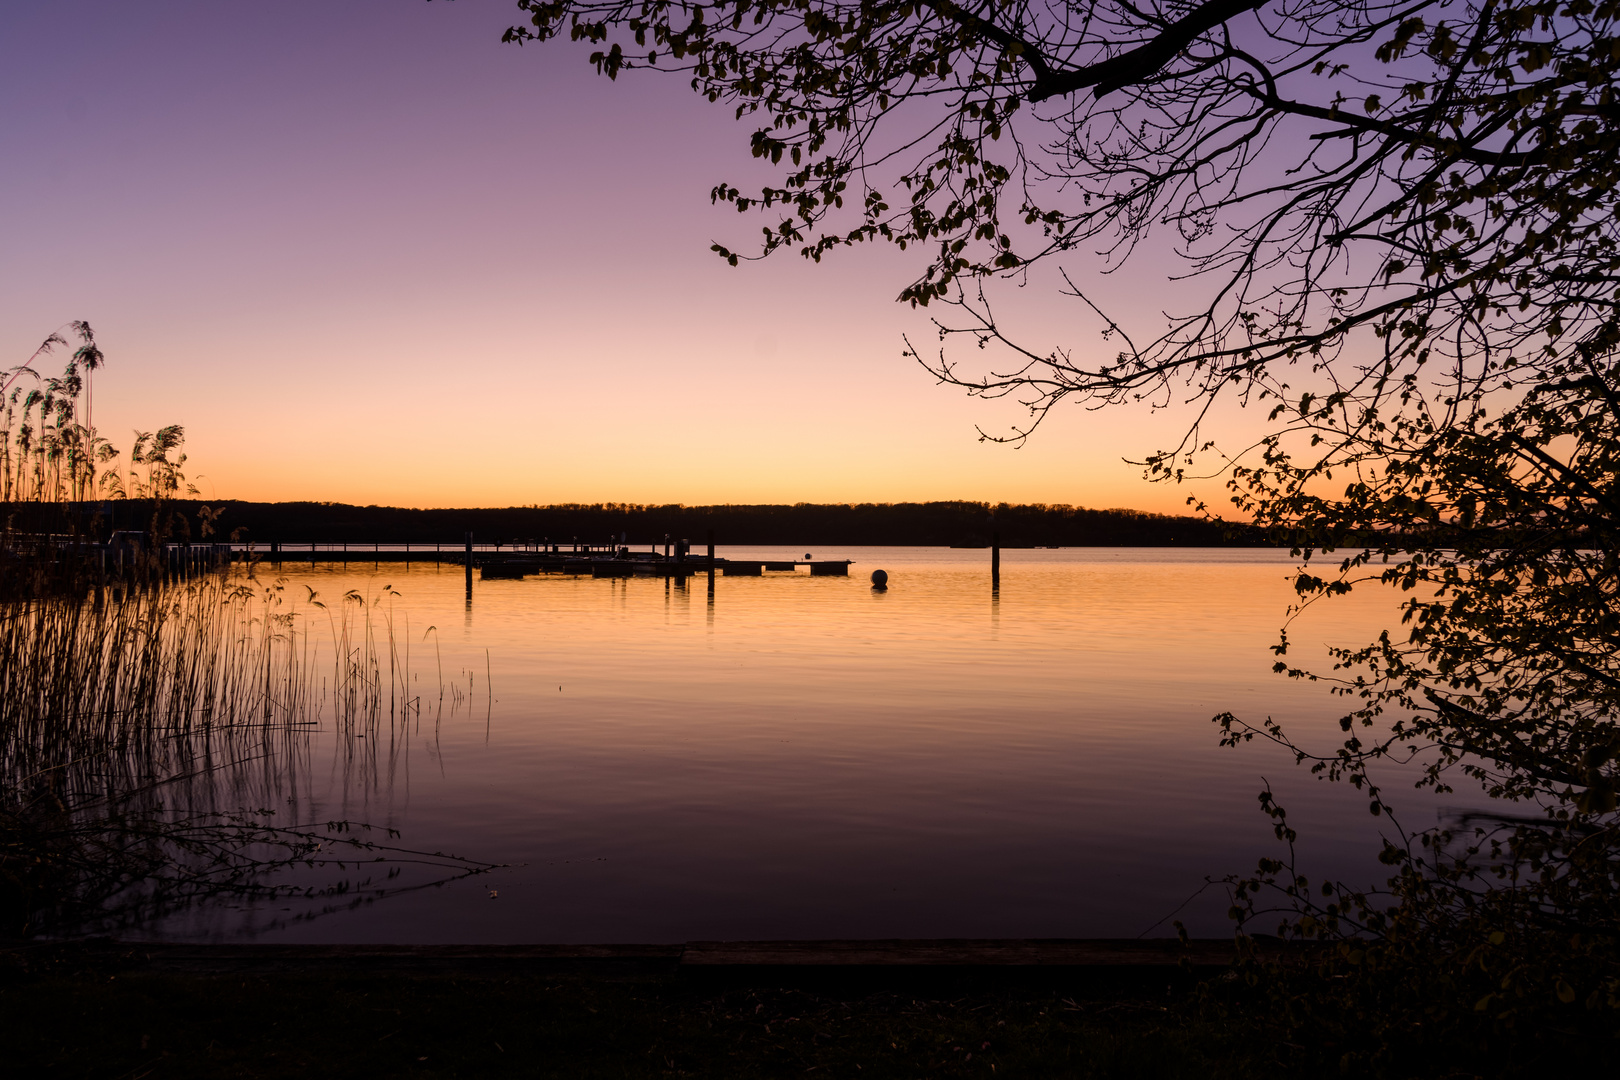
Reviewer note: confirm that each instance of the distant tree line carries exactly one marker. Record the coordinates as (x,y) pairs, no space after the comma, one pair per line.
(934,523)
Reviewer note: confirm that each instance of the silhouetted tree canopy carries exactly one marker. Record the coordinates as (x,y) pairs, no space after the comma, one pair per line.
(1395,230)
(1439,174)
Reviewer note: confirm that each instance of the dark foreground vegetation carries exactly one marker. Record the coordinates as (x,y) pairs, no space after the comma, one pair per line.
(156,712)
(164,1026)
(147,722)
(87,1016)
(936,523)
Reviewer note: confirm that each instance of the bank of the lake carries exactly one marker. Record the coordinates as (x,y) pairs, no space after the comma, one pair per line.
(815,524)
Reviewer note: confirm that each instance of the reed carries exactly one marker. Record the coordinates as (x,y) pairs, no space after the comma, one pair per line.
(152,738)
(50,450)
(156,729)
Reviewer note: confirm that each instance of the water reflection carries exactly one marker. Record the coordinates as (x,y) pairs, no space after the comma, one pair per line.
(819,759)
(163,747)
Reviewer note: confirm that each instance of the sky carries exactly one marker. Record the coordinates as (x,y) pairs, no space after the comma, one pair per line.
(364,252)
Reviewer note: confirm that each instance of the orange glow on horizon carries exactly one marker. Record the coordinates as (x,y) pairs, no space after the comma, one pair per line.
(357,259)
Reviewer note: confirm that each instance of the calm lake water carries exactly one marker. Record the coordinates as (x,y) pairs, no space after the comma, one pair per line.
(798,757)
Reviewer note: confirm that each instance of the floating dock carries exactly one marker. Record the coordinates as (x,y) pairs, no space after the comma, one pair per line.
(517,566)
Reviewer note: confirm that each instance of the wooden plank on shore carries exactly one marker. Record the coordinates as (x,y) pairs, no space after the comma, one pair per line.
(960,953)
(737,956)
(233,958)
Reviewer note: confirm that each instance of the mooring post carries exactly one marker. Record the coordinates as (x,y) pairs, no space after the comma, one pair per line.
(995,559)
(469,568)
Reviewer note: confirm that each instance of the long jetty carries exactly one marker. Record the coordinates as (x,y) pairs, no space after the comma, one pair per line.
(523,558)
(129,554)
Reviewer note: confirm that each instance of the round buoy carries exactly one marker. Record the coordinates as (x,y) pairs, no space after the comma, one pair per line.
(880,579)
(807,556)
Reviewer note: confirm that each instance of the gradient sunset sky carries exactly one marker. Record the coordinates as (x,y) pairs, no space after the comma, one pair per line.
(366,253)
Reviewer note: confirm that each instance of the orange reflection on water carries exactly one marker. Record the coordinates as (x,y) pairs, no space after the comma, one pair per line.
(798,757)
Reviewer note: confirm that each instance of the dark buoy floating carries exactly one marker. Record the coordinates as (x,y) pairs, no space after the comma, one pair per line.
(880,579)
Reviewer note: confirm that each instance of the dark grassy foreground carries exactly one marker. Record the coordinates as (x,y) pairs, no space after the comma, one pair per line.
(96,1015)
(103,1021)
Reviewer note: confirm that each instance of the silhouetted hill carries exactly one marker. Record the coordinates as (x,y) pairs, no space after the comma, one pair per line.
(935,523)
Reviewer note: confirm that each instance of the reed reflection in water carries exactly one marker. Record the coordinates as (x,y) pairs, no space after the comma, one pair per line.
(156,747)
(797,757)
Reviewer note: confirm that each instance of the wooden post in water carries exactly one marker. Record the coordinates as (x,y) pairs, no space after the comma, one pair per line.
(995,560)
(469,568)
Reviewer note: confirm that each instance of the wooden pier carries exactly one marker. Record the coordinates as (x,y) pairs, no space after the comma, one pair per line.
(129,556)
(523,559)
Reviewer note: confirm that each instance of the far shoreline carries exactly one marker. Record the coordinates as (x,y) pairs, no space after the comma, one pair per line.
(933,524)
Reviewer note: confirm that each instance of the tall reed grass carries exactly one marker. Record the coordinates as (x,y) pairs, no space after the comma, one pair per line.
(50,450)
(152,737)
(155,735)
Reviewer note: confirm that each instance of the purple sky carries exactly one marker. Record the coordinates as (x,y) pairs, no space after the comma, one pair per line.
(365,252)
